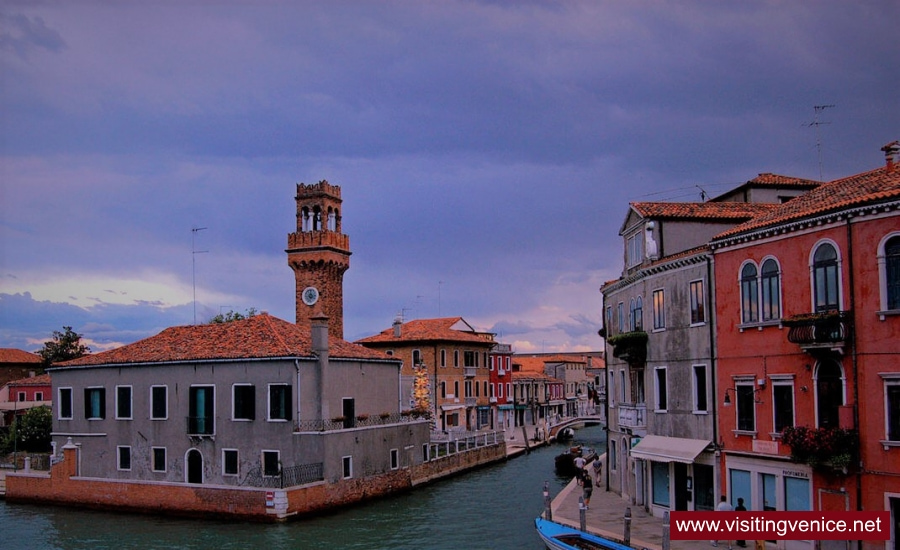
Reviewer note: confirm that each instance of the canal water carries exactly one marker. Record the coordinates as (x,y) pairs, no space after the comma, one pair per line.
(490,508)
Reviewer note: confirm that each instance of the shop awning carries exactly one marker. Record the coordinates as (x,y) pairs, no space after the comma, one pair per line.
(669,449)
(452,407)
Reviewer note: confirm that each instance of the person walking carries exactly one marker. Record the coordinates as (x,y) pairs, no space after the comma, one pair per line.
(723,506)
(579,469)
(588,489)
(741,508)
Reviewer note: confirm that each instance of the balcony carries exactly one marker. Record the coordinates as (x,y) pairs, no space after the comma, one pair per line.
(470,372)
(632,415)
(630,347)
(829,330)
(199,425)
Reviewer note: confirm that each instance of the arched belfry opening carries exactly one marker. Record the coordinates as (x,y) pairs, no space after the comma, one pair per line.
(319,254)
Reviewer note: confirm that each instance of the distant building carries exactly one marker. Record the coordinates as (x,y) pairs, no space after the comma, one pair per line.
(456,361)
(501,399)
(18,396)
(16,364)
(659,320)
(808,304)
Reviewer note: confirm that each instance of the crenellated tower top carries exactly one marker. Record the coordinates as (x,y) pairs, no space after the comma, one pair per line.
(319,254)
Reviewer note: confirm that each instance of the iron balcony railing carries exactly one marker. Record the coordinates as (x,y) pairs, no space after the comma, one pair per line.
(817,329)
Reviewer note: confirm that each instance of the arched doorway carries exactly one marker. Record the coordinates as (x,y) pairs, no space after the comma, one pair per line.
(194,466)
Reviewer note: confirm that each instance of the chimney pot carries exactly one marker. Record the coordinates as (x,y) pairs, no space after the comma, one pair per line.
(397,328)
(890,154)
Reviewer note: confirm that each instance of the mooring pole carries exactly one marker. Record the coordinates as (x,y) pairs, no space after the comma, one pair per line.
(548,512)
(627,535)
(665,542)
(582,514)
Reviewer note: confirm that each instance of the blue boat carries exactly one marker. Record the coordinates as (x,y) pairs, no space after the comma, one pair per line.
(562,537)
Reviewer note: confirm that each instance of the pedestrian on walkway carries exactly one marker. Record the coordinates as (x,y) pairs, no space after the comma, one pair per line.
(723,506)
(579,469)
(741,508)
(588,489)
(598,471)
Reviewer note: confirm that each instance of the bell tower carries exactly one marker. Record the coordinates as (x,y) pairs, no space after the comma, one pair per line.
(319,254)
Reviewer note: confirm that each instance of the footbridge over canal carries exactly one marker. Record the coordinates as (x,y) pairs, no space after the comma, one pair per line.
(573,422)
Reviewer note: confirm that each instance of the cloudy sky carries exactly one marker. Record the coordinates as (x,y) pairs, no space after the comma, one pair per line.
(486,150)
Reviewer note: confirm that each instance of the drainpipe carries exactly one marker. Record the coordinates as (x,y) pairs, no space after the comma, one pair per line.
(713,369)
(297,368)
(853,358)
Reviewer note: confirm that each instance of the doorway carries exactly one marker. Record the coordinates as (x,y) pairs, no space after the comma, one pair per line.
(194,466)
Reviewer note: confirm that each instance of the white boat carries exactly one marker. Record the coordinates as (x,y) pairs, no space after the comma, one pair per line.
(562,537)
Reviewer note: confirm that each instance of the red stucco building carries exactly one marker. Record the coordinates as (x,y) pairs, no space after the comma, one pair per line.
(808,351)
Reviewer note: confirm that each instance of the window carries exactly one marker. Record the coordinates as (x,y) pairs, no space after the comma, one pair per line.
(783,404)
(749,297)
(395,459)
(700,401)
(159,409)
(620,311)
(829,393)
(201,406)
(659,309)
(158,458)
(889,273)
(456,388)
(443,358)
(796,494)
(825,278)
(892,406)
(698,311)
(637,313)
(469,358)
(661,389)
(38,396)
(123,455)
(243,402)
(609,320)
(468,387)
(279,402)
(347,463)
(95,403)
(65,403)
(21,396)
(271,463)
(635,249)
(416,357)
(613,455)
(443,390)
(123,402)
(771,290)
(746,406)
(456,358)
(660,474)
(229,462)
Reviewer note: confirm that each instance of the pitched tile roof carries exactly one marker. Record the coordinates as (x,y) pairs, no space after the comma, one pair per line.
(258,337)
(12,355)
(767,178)
(429,330)
(536,364)
(701,210)
(871,187)
(39,380)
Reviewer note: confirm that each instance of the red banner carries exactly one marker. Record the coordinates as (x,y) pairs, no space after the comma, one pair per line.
(780,526)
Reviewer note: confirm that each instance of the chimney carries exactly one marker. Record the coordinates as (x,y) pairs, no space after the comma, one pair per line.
(890,154)
(319,335)
(397,327)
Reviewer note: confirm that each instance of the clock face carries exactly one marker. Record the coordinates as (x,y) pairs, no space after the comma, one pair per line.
(310,295)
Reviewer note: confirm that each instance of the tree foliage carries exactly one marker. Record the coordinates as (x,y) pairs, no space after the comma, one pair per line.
(30,432)
(64,346)
(233,316)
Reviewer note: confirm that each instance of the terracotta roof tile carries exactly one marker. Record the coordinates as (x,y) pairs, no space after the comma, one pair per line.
(777,180)
(866,188)
(12,355)
(39,380)
(701,210)
(430,330)
(258,337)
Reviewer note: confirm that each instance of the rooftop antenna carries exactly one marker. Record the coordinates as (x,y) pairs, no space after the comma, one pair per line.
(816,122)
(194,252)
(403,311)
(702,193)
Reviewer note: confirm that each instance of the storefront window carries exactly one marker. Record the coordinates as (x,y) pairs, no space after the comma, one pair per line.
(660,472)
(740,487)
(796,494)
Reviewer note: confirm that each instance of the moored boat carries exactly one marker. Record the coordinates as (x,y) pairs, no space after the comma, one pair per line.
(562,537)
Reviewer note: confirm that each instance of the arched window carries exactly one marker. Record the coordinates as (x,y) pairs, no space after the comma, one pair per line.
(892,272)
(749,290)
(829,393)
(825,278)
(771,290)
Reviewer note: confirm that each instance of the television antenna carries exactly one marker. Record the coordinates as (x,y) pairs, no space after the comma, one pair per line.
(816,122)
(194,252)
